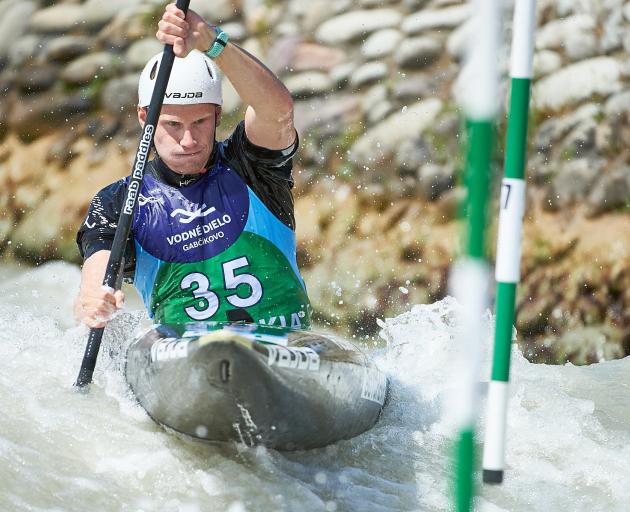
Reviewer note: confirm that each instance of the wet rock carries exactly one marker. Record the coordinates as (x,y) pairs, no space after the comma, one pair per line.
(613,30)
(216,11)
(60,150)
(89,67)
(281,54)
(590,344)
(581,140)
(353,25)
(39,114)
(435,19)
(309,83)
(260,16)
(379,111)
(380,142)
(97,13)
(411,154)
(341,74)
(618,105)
(412,87)
(533,315)
(573,182)
(375,3)
(368,73)
(139,53)
(339,110)
(556,128)
(546,62)
(37,78)
(254,46)
(47,231)
(67,48)
(287,28)
(25,49)
(13,24)
(608,138)
(373,97)
(449,203)
(381,43)
(231,100)
(457,43)
(7,221)
(57,18)
(575,35)
(413,5)
(236,30)
(611,192)
(126,28)
(309,57)
(313,13)
(4,122)
(418,52)
(435,179)
(601,76)
(120,94)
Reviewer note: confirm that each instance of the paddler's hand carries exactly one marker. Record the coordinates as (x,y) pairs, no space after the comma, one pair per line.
(96,307)
(184,33)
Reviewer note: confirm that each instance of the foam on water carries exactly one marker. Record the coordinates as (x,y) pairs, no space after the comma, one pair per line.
(568,446)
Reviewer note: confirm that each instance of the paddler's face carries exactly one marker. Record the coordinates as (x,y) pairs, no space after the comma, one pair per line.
(184,137)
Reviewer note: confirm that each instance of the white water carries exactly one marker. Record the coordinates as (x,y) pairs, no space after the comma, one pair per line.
(568,447)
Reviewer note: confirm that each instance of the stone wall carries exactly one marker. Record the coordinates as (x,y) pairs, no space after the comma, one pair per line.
(376,85)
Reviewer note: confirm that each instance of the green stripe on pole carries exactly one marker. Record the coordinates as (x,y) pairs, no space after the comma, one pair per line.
(516,150)
(506,298)
(477,180)
(465,456)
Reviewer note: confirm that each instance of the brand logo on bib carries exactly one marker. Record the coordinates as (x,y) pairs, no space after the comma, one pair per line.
(188,216)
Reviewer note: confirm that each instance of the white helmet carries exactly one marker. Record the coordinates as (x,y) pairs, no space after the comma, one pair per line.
(194,79)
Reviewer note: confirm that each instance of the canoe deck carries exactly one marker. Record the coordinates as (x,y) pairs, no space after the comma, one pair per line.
(286,390)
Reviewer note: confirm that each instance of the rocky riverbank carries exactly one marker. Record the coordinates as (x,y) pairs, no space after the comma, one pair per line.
(376,85)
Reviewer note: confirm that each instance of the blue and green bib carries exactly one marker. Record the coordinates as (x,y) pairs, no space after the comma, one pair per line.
(212,247)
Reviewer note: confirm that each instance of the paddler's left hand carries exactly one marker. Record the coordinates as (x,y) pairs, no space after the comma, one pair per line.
(184,33)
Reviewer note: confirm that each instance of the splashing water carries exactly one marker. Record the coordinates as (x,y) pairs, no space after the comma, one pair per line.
(568,444)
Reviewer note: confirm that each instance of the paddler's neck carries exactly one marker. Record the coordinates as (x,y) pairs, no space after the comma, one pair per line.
(164,173)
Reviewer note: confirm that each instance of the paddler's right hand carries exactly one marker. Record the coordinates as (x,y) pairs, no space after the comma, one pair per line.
(97,306)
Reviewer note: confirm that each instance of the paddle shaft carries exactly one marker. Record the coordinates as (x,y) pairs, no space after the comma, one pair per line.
(125,220)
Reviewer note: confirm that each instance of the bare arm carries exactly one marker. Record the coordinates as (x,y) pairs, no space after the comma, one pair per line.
(94,306)
(269,115)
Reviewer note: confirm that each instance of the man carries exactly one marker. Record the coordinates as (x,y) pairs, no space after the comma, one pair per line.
(213,233)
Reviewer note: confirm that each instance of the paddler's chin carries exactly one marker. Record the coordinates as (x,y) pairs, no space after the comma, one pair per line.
(186,163)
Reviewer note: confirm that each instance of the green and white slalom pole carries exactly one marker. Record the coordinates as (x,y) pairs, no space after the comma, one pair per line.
(470,276)
(512,208)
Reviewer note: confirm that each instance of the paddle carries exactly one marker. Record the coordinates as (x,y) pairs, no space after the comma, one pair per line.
(115,263)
